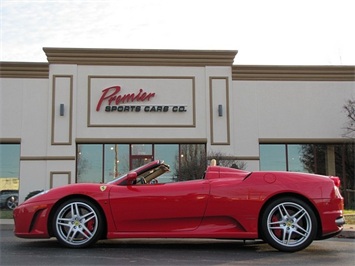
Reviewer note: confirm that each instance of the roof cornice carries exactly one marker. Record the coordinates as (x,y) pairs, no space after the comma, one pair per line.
(293,73)
(139,57)
(24,70)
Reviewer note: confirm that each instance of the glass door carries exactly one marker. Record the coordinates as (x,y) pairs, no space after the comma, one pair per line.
(141,154)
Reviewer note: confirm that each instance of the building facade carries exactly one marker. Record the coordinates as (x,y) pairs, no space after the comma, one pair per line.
(88,115)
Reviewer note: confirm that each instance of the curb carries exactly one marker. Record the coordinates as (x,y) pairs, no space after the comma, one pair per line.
(6,221)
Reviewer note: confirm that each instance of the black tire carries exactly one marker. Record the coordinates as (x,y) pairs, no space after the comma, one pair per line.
(11,202)
(77,223)
(289,224)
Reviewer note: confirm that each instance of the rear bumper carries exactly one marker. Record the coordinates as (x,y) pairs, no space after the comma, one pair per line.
(340,221)
(337,228)
(330,234)
(331,216)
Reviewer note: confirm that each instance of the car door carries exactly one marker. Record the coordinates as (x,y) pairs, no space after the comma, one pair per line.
(159,207)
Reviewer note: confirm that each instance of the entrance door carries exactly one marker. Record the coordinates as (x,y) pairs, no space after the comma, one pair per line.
(140,154)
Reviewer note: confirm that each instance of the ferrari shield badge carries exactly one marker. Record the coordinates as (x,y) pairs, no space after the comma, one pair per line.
(102,188)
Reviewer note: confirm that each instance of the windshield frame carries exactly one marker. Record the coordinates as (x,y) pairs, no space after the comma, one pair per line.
(139,170)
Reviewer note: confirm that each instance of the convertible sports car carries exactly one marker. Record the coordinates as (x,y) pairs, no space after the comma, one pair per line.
(287,210)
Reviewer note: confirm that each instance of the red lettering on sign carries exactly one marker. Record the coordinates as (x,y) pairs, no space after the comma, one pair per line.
(111,95)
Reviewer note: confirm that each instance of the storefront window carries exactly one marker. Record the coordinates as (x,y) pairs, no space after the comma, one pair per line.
(294,158)
(10,160)
(311,158)
(324,159)
(9,166)
(103,162)
(169,153)
(273,157)
(192,162)
(314,158)
(345,169)
(89,163)
(116,161)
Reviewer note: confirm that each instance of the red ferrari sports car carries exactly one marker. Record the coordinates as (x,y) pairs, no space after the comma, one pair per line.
(287,210)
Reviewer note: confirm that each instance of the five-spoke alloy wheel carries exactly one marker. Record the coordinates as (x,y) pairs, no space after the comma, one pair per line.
(289,224)
(12,202)
(77,223)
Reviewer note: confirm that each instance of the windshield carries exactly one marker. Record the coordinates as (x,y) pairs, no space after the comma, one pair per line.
(117,179)
(138,170)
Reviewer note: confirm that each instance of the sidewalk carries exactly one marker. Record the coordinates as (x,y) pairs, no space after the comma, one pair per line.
(348,231)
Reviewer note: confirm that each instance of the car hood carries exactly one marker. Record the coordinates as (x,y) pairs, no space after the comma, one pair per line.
(87,189)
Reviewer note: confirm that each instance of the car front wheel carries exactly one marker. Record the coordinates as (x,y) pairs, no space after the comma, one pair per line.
(12,202)
(77,223)
(289,224)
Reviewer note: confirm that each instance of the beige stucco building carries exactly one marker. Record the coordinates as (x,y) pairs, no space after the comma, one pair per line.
(165,97)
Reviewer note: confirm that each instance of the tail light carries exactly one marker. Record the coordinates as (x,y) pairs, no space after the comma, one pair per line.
(336,181)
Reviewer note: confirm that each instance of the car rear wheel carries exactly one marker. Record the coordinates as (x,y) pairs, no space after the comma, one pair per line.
(12,202)
(77,223)
(289,224)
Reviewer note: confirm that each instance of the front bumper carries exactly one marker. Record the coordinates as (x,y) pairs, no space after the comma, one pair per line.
(31,220)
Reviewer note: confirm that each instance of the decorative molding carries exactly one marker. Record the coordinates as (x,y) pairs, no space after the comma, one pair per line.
(293,73)
(55,105)
(226,111)
(24,70)
(139,57)
(10,140)
(305,141)
(53,174)
(47,158)
(141,140)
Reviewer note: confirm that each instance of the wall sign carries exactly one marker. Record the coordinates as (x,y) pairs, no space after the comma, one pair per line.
(141,101)
(114,100)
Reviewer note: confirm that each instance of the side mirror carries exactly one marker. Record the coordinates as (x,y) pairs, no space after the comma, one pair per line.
(131,176)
